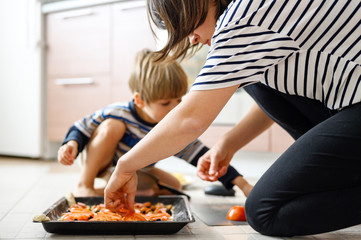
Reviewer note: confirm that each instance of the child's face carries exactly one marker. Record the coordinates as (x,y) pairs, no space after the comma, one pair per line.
(203,34)
(156,111)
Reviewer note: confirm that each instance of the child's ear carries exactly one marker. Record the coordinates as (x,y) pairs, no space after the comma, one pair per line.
(138,100)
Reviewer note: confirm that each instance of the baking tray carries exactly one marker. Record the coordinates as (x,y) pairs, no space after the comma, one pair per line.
(181,217)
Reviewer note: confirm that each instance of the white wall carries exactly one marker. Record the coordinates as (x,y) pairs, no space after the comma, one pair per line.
(21,88)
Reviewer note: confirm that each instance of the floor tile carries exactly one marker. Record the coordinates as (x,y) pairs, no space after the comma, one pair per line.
(247,229)
(8,235)
(258,236)
(127,237)
(229,230)
(303,238)
(238,237)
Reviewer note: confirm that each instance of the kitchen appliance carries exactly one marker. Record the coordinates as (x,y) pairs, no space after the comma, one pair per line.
(21,83)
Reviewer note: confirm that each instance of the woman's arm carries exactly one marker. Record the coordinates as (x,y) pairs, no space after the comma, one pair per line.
(183,124)
(214,163)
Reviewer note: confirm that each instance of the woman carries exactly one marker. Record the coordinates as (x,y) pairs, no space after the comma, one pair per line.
(301,62)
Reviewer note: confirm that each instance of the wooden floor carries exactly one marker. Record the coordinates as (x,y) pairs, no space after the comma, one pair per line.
(28,187)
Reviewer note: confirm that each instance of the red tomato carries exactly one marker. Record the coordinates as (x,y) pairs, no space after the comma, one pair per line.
(236,213)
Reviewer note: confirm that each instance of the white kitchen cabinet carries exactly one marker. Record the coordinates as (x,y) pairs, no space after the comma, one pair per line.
(21,81)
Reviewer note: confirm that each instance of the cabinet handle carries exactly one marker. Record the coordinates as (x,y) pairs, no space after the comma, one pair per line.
(130,5)
(74,81)
(78,13)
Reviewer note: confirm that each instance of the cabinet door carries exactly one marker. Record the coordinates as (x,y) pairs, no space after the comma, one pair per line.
(79,41)
(131,33)
(71,98)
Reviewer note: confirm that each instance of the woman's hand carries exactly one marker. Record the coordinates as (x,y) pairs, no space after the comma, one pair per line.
(67,153)
(214,163)
(120,191)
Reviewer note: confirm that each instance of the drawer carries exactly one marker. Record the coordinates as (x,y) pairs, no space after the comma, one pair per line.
(78,41)
(71,98)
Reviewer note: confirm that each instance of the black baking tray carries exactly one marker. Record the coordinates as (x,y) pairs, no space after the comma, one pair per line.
(181,216)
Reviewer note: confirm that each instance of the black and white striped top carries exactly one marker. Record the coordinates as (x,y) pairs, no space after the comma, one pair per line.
(306,48)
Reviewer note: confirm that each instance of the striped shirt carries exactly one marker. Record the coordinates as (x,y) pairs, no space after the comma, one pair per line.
(136,129)
(305,48)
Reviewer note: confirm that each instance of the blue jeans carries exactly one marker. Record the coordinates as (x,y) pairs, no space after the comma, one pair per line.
(314,186)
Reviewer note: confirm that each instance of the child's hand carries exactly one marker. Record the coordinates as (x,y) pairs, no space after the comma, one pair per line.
(67,153)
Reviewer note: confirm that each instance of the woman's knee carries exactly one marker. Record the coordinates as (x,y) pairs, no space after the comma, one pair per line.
(261,215)
(252,207)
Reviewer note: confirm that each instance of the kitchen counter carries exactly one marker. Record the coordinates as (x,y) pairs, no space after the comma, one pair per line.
(57,6)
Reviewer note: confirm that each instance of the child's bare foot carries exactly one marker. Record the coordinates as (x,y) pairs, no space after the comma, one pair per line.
(243,185)
(247,189)
(88,192)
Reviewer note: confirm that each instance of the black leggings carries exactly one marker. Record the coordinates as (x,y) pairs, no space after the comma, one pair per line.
(314,186)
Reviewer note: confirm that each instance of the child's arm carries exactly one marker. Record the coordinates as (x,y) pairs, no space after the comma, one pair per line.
(77,136)
(68,152)
(73,144)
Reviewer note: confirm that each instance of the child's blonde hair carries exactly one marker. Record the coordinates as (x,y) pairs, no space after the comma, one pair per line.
(157,80)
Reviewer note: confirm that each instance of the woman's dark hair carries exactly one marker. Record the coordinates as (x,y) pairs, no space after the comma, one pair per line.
(180,18)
